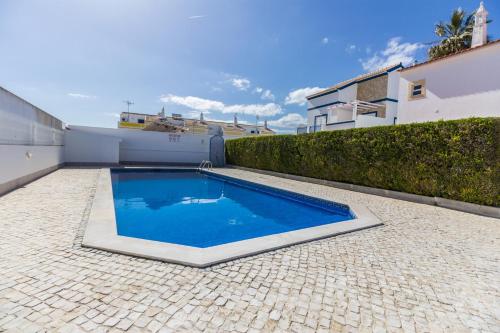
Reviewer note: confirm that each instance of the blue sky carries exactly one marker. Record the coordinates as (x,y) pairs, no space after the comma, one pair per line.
(79,60)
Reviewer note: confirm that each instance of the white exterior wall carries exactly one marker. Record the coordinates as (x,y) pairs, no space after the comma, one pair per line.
(322,100)
(340,126)
(92,148)
(347,94)
(461,86)
(19,162)
(317,102)
(370,121)
(391,112)
(31,142)
(144,146)
(393,84)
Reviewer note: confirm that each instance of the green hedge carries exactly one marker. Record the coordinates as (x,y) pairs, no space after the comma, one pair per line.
(456,159)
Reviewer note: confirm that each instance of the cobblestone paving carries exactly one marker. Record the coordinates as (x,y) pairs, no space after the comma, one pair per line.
(427,269)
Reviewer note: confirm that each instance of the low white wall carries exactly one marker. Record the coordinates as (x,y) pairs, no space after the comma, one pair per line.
(460,86)
(339,126)
(19,161)
(31,142)
(144,146)
(370,121)
(343,115)
(92,148)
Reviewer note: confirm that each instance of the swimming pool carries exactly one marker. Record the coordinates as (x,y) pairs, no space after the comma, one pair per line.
(201,219)
(202,210)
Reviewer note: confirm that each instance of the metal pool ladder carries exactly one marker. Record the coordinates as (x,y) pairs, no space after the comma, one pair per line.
(205,164)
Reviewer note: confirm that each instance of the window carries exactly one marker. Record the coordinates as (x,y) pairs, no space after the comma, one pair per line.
(416,90)
(140,121)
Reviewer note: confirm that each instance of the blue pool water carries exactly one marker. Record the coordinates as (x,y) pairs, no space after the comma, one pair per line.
(200,210)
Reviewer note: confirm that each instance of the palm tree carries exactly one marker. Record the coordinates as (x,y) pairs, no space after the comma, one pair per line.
(456,35)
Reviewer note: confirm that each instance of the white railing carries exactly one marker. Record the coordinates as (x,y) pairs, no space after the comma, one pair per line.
(205,164)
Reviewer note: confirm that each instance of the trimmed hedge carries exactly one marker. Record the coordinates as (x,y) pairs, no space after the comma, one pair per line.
(457,159)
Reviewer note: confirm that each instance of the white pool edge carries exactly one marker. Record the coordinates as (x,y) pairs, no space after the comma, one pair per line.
(100,233)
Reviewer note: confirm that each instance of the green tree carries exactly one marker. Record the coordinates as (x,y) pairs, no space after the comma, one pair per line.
(455,35)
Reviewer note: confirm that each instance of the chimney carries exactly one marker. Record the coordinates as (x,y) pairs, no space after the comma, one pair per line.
(201,116)
(235,121)
(265,124)
(479,33)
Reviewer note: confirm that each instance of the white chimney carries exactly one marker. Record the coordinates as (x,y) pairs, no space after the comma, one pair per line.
(479,32)
(265,124)
(235,121)
(201,116)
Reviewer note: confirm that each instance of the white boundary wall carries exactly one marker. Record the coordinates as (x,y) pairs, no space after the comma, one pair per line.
(111,146)
(82,147)
(31,142)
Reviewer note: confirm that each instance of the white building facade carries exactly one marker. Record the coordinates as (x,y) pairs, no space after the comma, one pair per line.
(462,85)
(364,101)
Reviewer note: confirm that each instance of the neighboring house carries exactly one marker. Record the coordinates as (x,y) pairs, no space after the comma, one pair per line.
(461,85)
(136,120)
(367,100)
(177,123)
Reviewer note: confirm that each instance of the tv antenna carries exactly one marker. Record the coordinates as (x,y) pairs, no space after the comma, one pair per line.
(129,103)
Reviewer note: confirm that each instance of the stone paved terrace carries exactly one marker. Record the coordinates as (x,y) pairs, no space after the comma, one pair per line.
(427,269)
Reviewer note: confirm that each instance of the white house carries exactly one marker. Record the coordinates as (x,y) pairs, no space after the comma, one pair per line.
(367,100)
(462,85)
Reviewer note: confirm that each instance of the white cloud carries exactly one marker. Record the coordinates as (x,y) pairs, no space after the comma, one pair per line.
(324,40)
(241,83)
(266,110)
(201,104)
(81,96)
(267,95)
(194,17)
(299,96)
(394,53)
(192,102)
(291,120)
(350,48)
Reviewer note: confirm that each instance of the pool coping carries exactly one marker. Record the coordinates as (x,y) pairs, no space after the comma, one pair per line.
(100,233)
